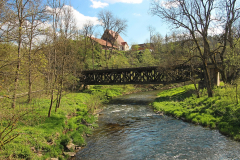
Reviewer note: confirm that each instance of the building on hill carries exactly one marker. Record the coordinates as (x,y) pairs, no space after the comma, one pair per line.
(115,39)
(103,43)
(141,47)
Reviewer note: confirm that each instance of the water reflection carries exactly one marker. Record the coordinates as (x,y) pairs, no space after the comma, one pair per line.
(129,129)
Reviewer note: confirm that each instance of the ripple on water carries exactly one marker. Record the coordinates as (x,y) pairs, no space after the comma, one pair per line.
(133,131)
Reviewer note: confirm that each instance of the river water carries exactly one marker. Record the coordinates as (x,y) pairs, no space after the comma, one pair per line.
(130,130)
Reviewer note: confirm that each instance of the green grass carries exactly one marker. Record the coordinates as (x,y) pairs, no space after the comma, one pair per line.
(221,111)
(48,136)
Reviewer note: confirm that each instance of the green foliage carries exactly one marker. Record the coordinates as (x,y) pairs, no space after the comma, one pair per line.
(119,59)
(220,111)
(77,138)
(135,47)
(147,58)
(64,140)
(50,135)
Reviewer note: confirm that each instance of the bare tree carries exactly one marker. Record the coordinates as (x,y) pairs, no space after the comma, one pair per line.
(60,54)
(67,32)
(88,31)
(20,8)
(35,20)
(151,29)
(107,22)
(7,21)
(55,12)
(120,27)
(196,17)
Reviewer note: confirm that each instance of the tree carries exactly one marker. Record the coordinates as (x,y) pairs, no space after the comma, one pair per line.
(197,18)
(63,59)
(34,21)
(88,31)
(107,22)
(120,27)
(7,21)
(147,58)
(22,13)
(157,42)
(55,8)
(151,29)
(112,26)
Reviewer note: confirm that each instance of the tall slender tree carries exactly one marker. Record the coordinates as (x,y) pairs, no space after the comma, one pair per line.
(54,9)
(88,31)
(35,20)
(22,13)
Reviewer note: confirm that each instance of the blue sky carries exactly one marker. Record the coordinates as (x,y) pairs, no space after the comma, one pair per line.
(135,11)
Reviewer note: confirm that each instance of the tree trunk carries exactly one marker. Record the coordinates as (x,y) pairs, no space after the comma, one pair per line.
(194,82)
(106,55)
(30,70)
(208,80)
(93,55)
(50,108)
(54,82)
(18,63)
(61,86)
(236,93)
(29,89)
(85,50)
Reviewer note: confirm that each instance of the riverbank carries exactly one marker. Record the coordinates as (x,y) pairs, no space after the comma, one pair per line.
(59,136)
(220,112)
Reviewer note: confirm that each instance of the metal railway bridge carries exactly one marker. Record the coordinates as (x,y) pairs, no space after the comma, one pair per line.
(141,75)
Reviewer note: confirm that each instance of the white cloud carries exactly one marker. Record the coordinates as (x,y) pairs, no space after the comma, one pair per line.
(78,17)
(124,1)
(82,19)
(136,14)
(215,30)
(98,4)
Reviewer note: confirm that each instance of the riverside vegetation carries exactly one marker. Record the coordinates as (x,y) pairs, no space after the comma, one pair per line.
(42,54)
(41,137)
(220,112)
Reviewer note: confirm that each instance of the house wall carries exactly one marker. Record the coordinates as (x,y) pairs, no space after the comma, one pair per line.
(126,48)
(123,48)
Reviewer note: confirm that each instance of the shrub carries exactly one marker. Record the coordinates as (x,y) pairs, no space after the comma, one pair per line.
(77,138)
(64,140)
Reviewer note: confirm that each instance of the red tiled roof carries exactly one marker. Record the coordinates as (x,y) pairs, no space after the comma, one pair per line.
(103,42)
(124,43)
(119,39)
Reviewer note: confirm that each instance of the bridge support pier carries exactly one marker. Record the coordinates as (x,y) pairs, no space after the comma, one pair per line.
(214,75)
(83,87)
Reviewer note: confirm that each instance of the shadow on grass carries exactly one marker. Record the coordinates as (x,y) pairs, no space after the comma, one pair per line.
(176,97)
(52,122)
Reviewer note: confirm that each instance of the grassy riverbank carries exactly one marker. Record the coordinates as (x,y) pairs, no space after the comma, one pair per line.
(42,137)
(221,111)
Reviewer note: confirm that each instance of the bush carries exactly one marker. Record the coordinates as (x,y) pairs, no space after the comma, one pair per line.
(64,140)
(77,138)
(212,125)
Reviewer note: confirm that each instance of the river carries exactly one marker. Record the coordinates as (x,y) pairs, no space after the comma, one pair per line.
(130,130)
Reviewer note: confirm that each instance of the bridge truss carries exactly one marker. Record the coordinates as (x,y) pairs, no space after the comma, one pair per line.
(141,75)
